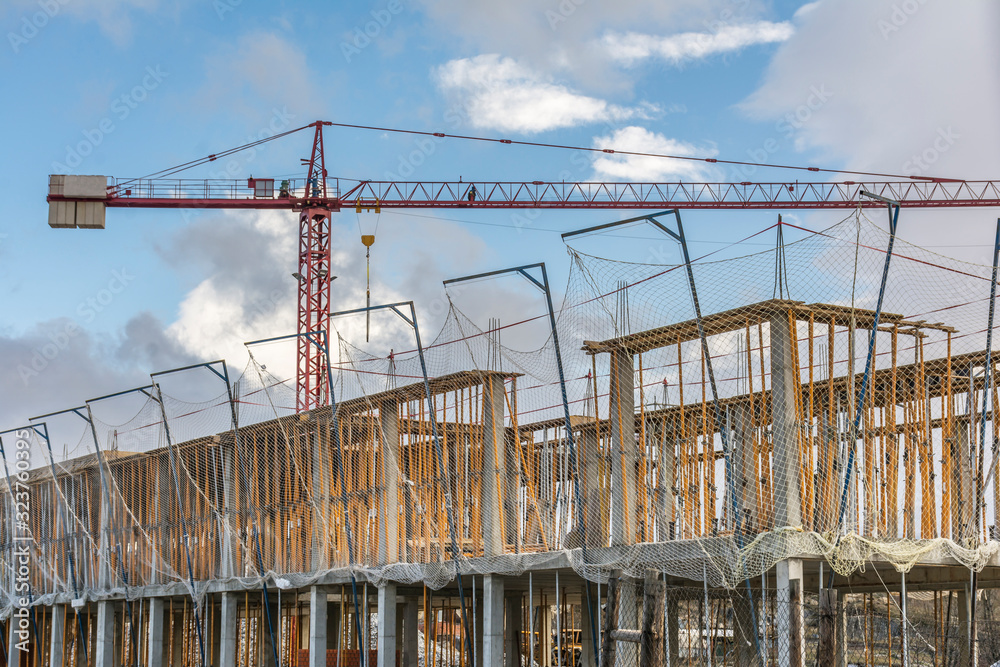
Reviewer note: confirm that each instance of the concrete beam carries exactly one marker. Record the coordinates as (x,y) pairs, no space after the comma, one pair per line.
(387,625)
(492,621)
(229,629)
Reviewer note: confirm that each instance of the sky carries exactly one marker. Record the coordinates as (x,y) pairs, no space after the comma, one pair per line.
(124,88)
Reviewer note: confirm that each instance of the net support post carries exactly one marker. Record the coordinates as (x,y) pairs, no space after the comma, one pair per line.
(13,653)
(788,618)
(228,629)
(387,625)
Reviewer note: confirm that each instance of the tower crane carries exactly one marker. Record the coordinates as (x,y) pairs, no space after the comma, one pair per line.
(82,201)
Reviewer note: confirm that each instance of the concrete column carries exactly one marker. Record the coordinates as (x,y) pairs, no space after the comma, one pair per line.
(478,623)
(57,644)
(588,626)
(104,644)
(273,612)
(788,622)
(784,429)
(388,548)
(229,613)
(230,503)
(961,490)
(964,626)
(745,482)
(492,621)
(673,631)
(513,635)
(841,650)
(13,654)
(622,417)
(665,509)
(156,617)
(544,630)
(410,640)
(589,456)
(493,465)
(387,625)
(627,653)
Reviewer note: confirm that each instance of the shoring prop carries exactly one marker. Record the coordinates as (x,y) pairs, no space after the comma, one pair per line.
(31,594)
(105,491)
(720,421)
(574,462)
(184,534)
(438,451)
(320,339)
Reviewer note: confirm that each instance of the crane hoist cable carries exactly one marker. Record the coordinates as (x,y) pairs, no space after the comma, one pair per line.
(368,240)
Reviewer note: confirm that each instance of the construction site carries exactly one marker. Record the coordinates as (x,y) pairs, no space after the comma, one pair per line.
(784,455)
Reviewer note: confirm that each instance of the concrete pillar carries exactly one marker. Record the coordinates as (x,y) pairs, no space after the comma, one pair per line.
(478,623)
(513,635)
(784,429)
(230,544)
(788,620)
(627,653)
(104,643)
(387,625)
(841,650)
(492,621)
(744,470)
(589,456)
(665,508)
(673,631)
(156,618)
(266,630)
(229,614)
(388,549)
(961,490)
(57,643)
(13,654)
(623,457)
(544,630)
(494,466)
(964,638)
(588,626)
(410,629)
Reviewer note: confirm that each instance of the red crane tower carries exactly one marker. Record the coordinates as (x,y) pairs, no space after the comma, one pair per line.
(81,201)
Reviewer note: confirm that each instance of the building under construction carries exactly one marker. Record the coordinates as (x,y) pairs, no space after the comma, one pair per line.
(786,457)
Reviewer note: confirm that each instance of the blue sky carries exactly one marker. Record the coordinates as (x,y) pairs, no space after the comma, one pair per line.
(127,87)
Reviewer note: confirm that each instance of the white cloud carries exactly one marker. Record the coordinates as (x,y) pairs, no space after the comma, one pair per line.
(261,70)
(632,47)
(500,93)
(643,168)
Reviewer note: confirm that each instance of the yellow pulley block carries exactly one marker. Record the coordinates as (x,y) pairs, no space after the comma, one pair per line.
(368,240)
